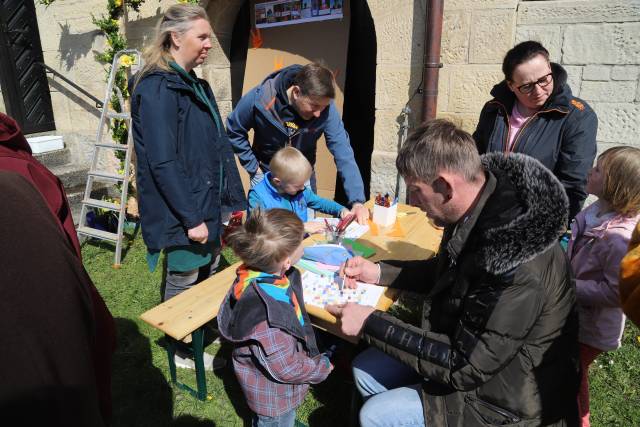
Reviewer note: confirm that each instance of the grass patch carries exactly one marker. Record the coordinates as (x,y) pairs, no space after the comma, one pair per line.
(142,391)
(143,395)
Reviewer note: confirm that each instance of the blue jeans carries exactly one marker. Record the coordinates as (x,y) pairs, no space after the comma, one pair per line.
(287,419)
(391,391)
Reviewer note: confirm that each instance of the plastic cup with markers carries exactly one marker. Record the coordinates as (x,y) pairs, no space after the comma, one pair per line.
(385,210)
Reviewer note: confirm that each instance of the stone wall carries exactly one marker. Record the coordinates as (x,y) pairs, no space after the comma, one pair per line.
(598,42)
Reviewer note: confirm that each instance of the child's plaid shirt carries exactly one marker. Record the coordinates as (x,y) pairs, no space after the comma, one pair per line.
(275,371)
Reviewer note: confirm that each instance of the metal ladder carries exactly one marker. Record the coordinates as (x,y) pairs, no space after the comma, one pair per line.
(94,173)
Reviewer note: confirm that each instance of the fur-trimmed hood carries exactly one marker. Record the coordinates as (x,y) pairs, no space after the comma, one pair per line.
(523,217)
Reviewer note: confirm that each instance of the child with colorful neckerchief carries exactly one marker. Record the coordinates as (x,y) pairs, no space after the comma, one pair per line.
(275,355)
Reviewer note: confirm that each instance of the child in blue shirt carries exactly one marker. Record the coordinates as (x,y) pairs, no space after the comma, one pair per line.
(284,187)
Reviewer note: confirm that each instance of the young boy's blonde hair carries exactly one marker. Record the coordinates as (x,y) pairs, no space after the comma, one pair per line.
(621,183)
(267,238)
(290,165)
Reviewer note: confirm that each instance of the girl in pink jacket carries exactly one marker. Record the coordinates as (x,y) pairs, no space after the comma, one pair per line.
(599,238)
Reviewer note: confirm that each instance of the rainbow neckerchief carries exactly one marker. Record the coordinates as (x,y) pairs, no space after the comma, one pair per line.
(275,286)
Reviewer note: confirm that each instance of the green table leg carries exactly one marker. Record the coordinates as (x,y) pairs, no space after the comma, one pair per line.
(197,347)
(197,342)
(171,352)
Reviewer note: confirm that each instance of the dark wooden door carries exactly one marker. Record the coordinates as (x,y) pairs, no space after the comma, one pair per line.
(24,83)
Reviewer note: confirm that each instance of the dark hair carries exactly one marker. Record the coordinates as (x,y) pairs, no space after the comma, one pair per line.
(520,53)
(267,238)
(315,80)
(435,146)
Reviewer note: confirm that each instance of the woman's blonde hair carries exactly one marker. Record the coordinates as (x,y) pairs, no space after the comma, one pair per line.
(267,238)
(290,165)
(178,18)
(621,183)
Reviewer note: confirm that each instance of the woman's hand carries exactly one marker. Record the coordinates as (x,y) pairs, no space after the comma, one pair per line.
(359,269)
(199,233)
(313,227)
(361,213)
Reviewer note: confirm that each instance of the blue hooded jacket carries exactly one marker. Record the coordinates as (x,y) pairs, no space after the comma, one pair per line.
(186,171)
(265,196)
(258,110)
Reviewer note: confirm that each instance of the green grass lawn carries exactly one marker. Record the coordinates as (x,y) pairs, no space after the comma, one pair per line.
(143,395)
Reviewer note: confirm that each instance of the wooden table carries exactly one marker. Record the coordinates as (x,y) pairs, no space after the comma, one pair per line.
(187,312)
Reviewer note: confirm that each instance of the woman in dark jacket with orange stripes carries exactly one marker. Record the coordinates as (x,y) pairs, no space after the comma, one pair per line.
(534,112)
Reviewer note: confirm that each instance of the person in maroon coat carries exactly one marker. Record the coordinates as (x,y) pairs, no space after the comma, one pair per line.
(15,156)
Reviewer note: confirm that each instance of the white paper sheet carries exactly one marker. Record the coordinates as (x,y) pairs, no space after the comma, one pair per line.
(321,290)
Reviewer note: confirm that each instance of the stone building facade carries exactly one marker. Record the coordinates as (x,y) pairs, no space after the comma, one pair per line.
(597,41)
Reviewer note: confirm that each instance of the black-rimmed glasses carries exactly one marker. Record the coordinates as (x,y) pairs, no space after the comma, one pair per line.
(542,82)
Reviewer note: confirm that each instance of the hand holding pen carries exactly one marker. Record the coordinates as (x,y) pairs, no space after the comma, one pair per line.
(358,269)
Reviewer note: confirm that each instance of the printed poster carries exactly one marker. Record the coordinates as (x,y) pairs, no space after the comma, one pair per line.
(286,12)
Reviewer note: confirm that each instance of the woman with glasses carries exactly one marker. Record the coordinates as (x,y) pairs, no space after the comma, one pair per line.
(534,112)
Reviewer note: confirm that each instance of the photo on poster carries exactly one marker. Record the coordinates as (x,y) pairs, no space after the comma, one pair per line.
(296,12)
(306,9)
(325,8)
(286,12)
(336,7)
(261,15)
(271,18)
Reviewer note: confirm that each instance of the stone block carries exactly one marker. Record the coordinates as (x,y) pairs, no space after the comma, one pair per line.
(470,86)
(394,85)
(574,78)
(492,34)
(549,35)
(480,4)
(618,122)
(616,44)
(625,72)
(386,133)
(61,116)
(220,81)
(623,91)
(384,174)
(225,108)
(456,28)
(572,12)
(400,35)
(596,72)
(465,121)
(443,88)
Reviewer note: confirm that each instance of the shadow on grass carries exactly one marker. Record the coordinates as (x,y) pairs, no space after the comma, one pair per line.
(231,386)
(141,394)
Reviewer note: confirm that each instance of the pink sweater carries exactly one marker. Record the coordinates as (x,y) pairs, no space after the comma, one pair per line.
(595,253)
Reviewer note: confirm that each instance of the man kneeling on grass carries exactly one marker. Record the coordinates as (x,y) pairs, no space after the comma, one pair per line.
(498,339)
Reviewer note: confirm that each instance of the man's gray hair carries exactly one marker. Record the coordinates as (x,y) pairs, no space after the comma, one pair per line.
(438,145)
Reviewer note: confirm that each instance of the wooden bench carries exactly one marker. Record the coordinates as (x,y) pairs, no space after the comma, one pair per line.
(186,314)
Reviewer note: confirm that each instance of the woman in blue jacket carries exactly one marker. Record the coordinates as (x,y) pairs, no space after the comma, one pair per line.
(534,112)
(185,166)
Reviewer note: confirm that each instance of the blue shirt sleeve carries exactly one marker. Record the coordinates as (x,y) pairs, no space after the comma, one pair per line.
(340,147)
(238,124)
(320,204)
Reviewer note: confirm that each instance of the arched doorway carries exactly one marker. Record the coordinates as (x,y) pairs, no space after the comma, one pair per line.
(358,74)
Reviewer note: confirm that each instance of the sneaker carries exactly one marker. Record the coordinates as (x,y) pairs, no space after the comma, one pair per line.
(211,363)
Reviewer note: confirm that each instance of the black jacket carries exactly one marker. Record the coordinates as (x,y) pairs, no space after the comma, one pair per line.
(186,170)
(498,341)
(562,135)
